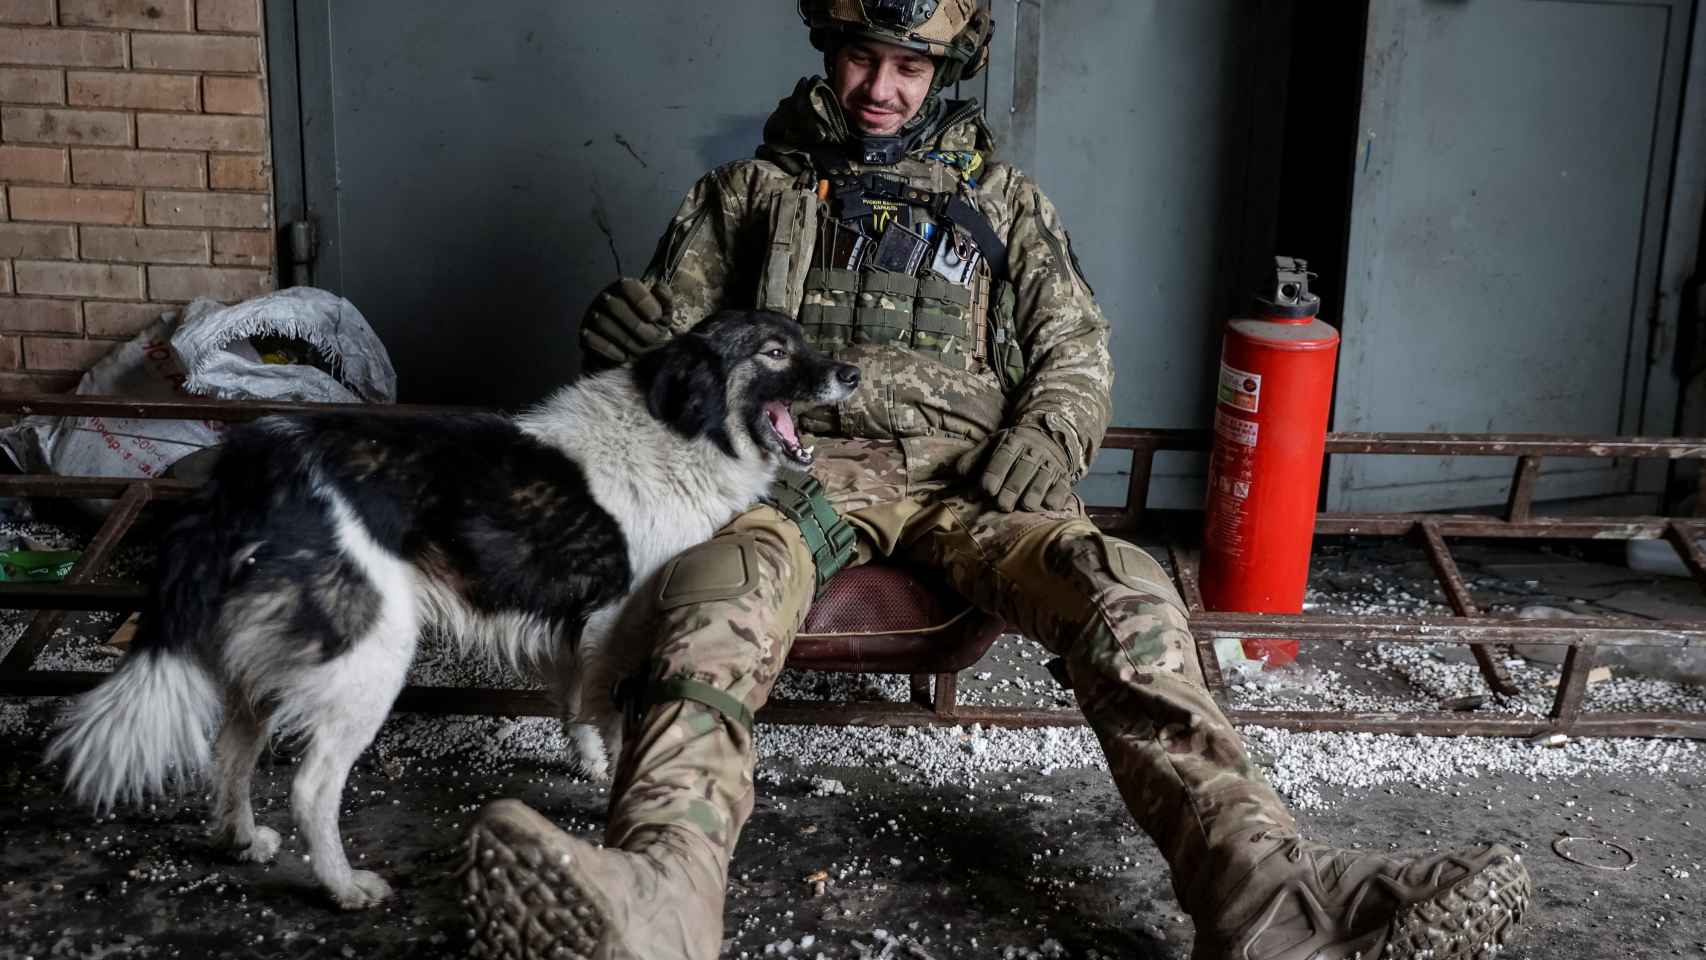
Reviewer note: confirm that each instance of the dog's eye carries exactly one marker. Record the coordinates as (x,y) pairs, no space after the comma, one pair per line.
(776,353)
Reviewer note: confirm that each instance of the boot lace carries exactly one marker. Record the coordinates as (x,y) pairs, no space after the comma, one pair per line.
(1293,843)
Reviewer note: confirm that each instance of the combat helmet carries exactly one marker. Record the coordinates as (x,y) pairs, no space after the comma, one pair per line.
(955,33)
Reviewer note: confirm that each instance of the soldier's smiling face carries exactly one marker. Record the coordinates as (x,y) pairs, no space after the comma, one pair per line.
(880,85)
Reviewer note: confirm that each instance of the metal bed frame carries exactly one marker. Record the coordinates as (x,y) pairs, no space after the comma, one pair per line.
(82,590)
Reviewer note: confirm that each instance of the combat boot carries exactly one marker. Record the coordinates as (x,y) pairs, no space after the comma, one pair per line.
(655,890)
(1254,889)
(534,891)
(683,788)
(1274,896)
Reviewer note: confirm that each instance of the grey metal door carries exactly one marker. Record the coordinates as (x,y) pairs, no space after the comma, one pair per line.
(1507,229)
(479,170)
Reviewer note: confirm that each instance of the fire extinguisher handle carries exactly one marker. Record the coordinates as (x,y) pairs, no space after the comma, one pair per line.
(1291,298)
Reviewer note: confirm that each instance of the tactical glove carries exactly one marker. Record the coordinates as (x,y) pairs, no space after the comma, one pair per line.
(1023,468)
(625,320)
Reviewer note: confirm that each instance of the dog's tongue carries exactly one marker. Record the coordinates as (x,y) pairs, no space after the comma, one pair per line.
(783,421)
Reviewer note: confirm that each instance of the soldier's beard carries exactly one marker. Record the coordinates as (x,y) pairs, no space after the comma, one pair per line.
(888,118)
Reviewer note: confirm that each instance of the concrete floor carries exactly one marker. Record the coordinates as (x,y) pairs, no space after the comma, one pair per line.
(927,842)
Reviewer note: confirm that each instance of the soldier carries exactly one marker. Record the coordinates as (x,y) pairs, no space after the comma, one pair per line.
(876,213)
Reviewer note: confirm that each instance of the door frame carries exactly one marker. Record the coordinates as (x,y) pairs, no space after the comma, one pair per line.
(1685,229)
(304,137)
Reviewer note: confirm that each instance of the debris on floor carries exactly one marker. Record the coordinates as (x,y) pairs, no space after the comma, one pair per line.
(938,843)
(1596,675)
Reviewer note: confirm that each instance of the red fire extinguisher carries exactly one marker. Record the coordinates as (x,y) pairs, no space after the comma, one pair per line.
(1270,432)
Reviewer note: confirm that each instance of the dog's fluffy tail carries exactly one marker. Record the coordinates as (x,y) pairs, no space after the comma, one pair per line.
(144,728)
(148,726)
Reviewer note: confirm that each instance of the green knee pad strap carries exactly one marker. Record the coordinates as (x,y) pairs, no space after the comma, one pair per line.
(644,691)
(829,537)
(686,688)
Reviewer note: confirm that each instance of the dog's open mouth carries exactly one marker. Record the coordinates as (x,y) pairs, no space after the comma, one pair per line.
(788,438)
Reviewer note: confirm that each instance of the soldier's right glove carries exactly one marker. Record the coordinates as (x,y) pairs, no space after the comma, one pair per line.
(1025,470)
(625,320)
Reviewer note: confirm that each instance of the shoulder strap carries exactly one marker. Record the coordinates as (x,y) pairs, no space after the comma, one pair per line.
(959,212)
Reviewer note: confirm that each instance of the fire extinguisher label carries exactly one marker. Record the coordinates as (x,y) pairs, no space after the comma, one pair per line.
(1240,389)
(1234,429)
(1231,473)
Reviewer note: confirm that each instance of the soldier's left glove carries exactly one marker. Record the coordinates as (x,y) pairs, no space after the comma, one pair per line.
(1023,468)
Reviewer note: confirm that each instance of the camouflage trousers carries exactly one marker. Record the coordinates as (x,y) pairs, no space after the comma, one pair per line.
(1102,604)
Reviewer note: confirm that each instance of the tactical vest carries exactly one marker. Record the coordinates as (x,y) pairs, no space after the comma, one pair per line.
(887,263)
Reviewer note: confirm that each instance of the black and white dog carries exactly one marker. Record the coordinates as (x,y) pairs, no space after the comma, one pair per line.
(293,588)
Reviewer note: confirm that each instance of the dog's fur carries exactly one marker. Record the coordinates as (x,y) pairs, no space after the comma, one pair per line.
(293,588)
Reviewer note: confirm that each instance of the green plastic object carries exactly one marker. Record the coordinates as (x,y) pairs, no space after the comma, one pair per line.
(37,564)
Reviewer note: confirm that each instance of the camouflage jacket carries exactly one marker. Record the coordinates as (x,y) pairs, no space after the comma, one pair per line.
(718,253)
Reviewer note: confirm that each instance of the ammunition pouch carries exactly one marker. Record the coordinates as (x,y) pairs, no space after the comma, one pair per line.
(941,320)
(884,307)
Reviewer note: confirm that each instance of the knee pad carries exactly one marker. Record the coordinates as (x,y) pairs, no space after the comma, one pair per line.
(720,569)
(726,568)
(1145,625)
(1076,541)
(1133,567)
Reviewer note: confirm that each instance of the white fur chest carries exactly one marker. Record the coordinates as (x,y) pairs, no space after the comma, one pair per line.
(663,512)
(666,492)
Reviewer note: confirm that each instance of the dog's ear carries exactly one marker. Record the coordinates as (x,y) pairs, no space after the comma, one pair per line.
(683,382)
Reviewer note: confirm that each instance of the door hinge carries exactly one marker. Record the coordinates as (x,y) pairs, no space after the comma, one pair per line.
(302,243)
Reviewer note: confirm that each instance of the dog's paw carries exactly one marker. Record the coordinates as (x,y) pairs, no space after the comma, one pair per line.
(589,753)
(365,889)
(261,849)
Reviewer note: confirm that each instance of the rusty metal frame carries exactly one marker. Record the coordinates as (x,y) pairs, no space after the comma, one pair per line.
(1483,635)
(933,697)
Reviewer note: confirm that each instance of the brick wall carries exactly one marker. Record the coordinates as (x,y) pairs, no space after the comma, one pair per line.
(136,173)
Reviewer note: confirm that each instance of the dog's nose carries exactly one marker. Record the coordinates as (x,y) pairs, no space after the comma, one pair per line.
(847,375)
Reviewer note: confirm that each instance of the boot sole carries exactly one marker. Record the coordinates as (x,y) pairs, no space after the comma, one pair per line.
(522,892)
(1469,921)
